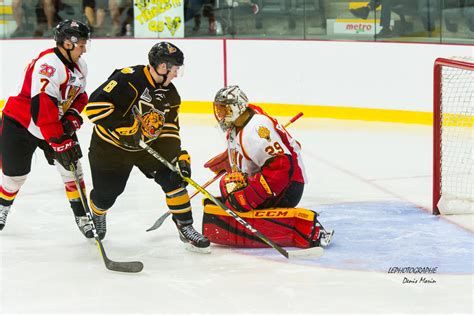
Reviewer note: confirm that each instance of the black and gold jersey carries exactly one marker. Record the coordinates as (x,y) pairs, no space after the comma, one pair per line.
(110,107)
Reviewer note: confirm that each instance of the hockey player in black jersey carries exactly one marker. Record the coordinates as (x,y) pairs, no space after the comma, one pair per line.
(115,149)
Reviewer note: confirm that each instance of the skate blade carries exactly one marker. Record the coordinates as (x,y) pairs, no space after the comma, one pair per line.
(192,248)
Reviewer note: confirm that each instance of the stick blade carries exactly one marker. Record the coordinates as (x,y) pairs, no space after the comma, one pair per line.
(158,223)
(155,226)
(313,252)
(122,266)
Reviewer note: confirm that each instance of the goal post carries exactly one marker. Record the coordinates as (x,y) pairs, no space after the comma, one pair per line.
(453,136)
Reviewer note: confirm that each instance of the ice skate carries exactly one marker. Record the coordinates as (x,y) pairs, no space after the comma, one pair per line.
(325,237)
(84,226)
(100,225)
(194,240)
(3,215)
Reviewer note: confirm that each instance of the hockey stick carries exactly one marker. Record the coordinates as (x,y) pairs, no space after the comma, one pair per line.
(130,266)
(162,219)
(315,251)
(292,120)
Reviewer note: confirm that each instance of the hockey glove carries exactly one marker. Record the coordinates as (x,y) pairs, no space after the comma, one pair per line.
(232,189)
(233,182)
(183,167)
(66,150)
(71,121)
(243,193)
(184,164)
(169,180)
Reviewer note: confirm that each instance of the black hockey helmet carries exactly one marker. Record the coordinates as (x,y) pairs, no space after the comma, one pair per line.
(165,52)
(72,30)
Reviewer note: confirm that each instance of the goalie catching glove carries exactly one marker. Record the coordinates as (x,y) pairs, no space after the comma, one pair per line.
(242,193)
(219,163)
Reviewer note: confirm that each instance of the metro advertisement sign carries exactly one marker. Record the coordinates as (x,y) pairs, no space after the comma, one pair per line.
(356,26)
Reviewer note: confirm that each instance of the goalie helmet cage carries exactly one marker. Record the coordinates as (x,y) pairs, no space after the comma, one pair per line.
(453,136)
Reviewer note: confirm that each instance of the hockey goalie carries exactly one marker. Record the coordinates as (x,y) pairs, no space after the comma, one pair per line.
(263,182)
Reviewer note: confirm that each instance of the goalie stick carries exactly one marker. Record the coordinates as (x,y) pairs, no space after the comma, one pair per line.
(130,266)
(163,218)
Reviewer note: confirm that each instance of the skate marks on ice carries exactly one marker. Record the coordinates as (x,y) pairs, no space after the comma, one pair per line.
(375,236)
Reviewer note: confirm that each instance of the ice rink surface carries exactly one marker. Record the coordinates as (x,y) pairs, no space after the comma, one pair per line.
(371,182)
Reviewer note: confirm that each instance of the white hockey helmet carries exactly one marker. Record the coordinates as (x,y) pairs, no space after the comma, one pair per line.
(230,102)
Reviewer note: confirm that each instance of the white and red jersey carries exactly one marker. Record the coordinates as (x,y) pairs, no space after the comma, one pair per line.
(52,85)
(263,145)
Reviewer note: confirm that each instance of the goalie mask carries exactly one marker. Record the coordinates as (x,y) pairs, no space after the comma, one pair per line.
(230,102)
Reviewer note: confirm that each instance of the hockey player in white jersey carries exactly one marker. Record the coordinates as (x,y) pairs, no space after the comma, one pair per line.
(46,113)
(264,181)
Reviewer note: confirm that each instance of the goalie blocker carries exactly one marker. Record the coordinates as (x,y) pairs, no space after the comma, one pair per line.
(287,227)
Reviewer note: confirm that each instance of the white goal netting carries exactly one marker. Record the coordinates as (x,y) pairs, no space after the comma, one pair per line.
(456,140)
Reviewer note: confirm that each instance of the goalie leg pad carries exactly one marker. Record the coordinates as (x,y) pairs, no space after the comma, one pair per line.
(287,227)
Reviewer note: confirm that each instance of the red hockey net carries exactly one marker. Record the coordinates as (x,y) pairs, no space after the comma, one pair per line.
(453,136)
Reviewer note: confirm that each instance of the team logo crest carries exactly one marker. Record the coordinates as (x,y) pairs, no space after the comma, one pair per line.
(47,70)
(264,133)
(171,49)
(153,121)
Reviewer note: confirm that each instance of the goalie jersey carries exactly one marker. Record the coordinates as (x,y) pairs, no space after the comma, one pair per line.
(110,107)
(265,146)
